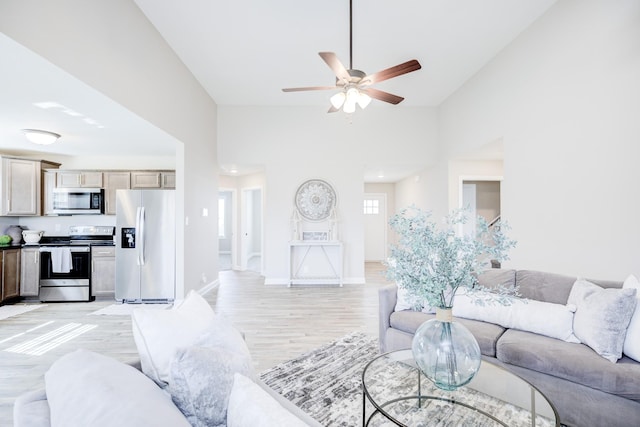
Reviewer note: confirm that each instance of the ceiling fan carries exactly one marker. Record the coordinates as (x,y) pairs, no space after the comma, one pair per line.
(355,85)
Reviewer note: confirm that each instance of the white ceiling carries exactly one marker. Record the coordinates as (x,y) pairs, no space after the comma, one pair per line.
(244,53)
(89,122)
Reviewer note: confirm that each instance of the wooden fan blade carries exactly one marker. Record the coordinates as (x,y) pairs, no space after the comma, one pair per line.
(300,89)
(383,96)
(389,73)
(334,63)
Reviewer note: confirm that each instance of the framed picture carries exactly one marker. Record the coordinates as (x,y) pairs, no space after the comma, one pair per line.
(318,236)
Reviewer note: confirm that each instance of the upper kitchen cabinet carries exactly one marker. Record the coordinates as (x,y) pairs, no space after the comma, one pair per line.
(20,189)
(79,179)
(168,180)
(114,181)
(146,179)
(153,179)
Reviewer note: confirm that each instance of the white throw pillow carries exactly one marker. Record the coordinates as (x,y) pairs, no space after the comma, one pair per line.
(631,345)
(159,333)
(89,389)
(404,301)
(544,318)
(251,406)
(602,317)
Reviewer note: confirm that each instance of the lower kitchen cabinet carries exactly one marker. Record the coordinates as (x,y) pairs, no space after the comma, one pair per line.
(30,272)
(103,270)
(10,274)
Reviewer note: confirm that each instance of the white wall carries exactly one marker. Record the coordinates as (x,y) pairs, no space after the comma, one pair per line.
(301,143)
(111,46)
(565,99)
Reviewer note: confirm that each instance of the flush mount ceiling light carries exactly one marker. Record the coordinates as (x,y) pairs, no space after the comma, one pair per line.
(355,85)
(41,137)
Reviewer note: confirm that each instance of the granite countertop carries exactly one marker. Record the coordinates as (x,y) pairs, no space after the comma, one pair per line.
(5,247)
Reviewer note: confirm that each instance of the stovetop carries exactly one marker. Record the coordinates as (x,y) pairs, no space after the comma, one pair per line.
(85,235)
(68,241)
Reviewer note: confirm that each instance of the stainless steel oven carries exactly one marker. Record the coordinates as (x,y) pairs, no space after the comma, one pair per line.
(65,273)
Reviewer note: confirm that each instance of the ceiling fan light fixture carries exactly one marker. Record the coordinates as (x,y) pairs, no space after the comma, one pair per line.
(363,100)
(352,97)
(41,137)
(337,100)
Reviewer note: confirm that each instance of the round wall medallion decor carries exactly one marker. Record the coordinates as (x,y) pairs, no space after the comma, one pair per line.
(315,199)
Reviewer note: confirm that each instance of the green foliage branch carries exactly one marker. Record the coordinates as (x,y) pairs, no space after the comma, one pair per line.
(431,262)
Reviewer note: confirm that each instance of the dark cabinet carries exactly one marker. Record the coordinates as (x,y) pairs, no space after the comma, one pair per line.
(10,273)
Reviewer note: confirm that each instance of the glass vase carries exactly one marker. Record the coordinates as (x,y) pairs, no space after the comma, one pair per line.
(445,351)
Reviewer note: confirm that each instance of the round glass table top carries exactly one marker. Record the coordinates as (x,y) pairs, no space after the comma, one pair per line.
(395,392)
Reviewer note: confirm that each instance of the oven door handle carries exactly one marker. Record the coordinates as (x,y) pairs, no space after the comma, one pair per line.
(140,227)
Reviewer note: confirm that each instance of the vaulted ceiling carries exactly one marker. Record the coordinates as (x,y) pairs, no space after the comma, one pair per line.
(244,53)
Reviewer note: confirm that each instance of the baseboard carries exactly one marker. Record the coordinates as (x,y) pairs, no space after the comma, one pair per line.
(354,281)
(285,281)
(276,281)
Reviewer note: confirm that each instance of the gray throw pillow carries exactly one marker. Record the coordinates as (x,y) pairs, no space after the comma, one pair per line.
(200,382)
(602,317)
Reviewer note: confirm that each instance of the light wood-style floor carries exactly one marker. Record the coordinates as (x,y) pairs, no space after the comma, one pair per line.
(279,324)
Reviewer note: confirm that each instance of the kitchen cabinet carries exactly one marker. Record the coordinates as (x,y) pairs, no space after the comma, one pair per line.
(114,181)
(79,179)
(168,180)
(30,272)
(48,184)
(10,273)
(103,270)
(146,179)
(20,189)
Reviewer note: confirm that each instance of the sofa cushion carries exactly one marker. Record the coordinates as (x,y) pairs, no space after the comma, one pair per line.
(550,287)
(495,277)
(602,317)
(264,410)
(574,362)
(90,389)
(159,333)
(486,334)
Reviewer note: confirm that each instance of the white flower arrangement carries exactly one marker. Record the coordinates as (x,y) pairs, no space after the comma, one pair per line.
(432,262)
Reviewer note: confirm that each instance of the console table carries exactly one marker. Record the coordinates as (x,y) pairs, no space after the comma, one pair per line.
(315,262)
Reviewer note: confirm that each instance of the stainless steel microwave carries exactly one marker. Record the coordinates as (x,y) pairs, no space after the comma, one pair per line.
(78,201)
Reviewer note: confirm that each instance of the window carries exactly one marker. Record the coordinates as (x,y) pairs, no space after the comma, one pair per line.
(221,224)
(371,207)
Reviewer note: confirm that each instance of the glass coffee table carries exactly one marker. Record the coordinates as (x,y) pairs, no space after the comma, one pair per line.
(395,392)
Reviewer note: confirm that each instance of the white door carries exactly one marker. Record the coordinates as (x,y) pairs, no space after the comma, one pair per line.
(469,202)
(252,230)
(225,230)
(375,227)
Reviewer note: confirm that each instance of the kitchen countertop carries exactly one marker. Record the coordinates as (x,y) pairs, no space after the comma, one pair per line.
(37,245)
(5,247)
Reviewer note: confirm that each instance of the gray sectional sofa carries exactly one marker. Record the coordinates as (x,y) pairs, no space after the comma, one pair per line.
(586,389)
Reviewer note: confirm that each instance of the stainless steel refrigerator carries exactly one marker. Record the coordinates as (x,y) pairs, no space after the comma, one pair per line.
(145,246)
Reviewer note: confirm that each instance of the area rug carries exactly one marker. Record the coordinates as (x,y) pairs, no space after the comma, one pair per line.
(14,310)
(327,384)
(127,309)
